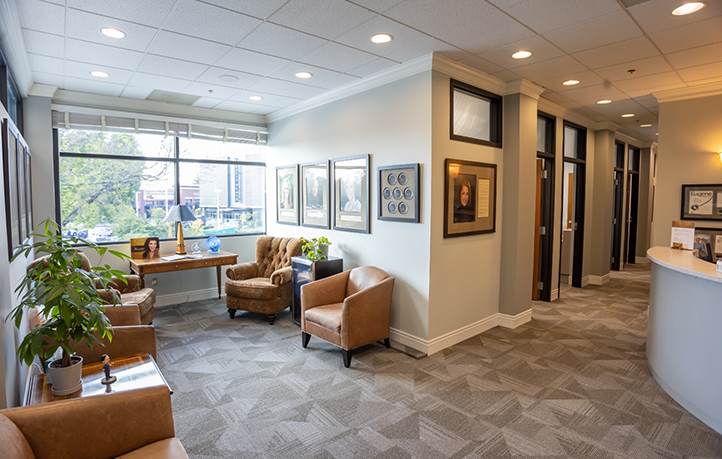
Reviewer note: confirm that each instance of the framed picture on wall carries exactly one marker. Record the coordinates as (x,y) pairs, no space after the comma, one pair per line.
(708,243)
(399,193)
(10,146)
(315,195)
(287,195)
(469,198)
(351,210)
(701,202)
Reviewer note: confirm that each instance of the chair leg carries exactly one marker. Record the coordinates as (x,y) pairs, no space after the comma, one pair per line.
(231,313)
(271,318)
(347,357)
(305,338)
(387,343)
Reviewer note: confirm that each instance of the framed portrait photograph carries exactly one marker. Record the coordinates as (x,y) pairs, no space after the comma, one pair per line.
(469,198)
(351,194)
(701,202)
(144,248)
(10,147)
(708,244)
(315,195)
(399,193)
(287,211)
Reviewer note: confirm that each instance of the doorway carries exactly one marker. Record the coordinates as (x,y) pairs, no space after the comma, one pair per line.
(573,196)
(543,226)
(630,245)
(617,207)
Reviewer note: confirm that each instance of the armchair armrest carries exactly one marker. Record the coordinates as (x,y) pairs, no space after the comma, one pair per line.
(282,276)
(126,341)
(120,315)
(242,271)
(325,291)
(370,307)
(133,283)
(104,426)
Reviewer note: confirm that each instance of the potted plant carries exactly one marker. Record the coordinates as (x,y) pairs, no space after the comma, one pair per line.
(316,248)
(67,298)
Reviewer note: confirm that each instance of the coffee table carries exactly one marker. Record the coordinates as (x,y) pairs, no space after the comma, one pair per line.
(135,372)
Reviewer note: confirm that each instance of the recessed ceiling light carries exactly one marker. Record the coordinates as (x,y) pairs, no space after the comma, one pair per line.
(304,75)
(604,101)
(688,8)
(255,97)
(112,33)
(570,82)
(656,133)
(645,125)
(381,38)
(628,115)
(99,74)
(228,78)
(521,54)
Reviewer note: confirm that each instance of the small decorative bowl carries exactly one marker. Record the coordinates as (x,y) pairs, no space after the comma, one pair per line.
(213,244)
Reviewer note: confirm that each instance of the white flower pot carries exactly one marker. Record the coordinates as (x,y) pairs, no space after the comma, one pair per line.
(324,250)
(67,380)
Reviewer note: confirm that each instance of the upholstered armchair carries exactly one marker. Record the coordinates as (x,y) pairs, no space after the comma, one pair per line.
(350,309)
(266,285)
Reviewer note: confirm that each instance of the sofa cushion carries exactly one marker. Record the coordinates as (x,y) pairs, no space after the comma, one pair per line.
(144,298)
(169,448)
(327,316)
(258,288)
(12,441)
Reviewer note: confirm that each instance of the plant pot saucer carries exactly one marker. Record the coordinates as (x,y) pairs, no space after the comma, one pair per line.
(68,391)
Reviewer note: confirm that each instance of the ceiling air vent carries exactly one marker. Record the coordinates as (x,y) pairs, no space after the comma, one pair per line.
(172,97)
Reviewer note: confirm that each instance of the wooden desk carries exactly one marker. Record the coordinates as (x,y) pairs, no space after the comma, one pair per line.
(158,265)
(135,372)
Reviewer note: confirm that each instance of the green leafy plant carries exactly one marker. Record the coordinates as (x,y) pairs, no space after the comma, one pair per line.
(314,248)
(65,294)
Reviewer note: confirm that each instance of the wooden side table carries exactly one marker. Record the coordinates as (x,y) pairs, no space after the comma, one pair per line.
(305,271)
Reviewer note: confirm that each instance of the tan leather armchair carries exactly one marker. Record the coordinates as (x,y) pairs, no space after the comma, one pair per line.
(350,309)
(132,425)
(265,285)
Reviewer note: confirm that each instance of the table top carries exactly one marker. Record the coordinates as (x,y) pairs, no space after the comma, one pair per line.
(135,372)
(221,256)
(684,262)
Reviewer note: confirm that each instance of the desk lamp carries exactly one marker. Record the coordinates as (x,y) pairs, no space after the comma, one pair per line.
(180,214)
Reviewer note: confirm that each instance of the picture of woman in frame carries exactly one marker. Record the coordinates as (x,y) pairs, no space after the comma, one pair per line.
(286,197)
(464,199)
(152,248)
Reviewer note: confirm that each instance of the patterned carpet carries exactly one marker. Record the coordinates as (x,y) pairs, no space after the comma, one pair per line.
(573,382)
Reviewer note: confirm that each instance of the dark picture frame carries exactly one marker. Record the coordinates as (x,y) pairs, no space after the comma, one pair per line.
(287,195)
(17,179)
(469,198)
(713,239)
(701,202)
(391,201)
(313,215)
(351,192)
(465,102)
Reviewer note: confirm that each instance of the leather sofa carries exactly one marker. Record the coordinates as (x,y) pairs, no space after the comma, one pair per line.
(136,424)
(350,309)
(266,285)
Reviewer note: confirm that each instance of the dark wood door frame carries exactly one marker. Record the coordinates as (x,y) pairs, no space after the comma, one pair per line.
(547,222)
(633,210)
(579,201)
(617,219)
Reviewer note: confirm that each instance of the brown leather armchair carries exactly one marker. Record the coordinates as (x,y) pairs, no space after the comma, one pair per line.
(133,425)
(265,285)
(350,309)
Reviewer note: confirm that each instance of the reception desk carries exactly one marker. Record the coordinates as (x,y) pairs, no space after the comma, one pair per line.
(684,332)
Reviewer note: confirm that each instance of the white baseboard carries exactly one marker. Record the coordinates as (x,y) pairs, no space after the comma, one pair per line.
(554,295)
(185,297)
(599,280)
(640,259)
(585,281)
(449,339)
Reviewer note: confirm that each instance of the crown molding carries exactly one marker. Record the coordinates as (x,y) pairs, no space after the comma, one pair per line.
(468,75)
(525,87)
(627,138)
(42,90)
(13,43)
(692,92)
(547,106)
(606,125)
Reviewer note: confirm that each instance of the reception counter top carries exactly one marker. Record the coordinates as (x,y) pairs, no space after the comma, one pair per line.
(684,331)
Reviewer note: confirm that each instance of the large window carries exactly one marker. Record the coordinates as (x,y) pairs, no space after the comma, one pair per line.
(115,185)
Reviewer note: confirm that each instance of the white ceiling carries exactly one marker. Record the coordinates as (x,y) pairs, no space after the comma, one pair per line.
(185,45)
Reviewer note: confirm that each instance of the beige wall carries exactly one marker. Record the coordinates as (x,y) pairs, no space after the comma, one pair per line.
(690,134)
(602,203)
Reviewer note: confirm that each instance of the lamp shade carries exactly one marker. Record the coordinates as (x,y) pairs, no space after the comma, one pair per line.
(179,214)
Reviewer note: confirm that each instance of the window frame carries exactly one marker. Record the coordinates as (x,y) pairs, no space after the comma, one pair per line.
(495,114)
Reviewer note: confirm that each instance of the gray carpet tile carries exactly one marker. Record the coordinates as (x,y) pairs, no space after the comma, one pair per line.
(573,382)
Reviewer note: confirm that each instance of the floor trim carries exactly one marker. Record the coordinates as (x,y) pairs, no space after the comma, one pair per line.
(185,297)
(598,280)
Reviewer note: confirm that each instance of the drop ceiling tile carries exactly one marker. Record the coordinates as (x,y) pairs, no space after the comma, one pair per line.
(209,22)
(648,101)
(211,75)
(278,87)
(618,53)
(600,91)
(337,81)
(251,62)
(551,68)
(236,107)
(615,98)
(83,51)
(541,50)
(372,67)
(424,45)
(323,18)
(175,68)
(483,65)
(206,102)
(586,78)
(309,92)
(81,70)
(289,72)
(554,14)
(654,16)
(47,78)
(45,64)
(594,33)
(42,16)
(170,44)
(655,112)
(261,9)
(643,67)
(696,56)
(715,79)
(243,96)
(556,98)
(86,26)
(506,75)
(689,36)
(44,43)
(337,57)
(138,11)
(265,110)
(94,87)
(458,22)
(134,92)
(209,90)
(378,5)
(702,72)
(650,83)
(145,80)
(286,102)
(616,109)
(280,41)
